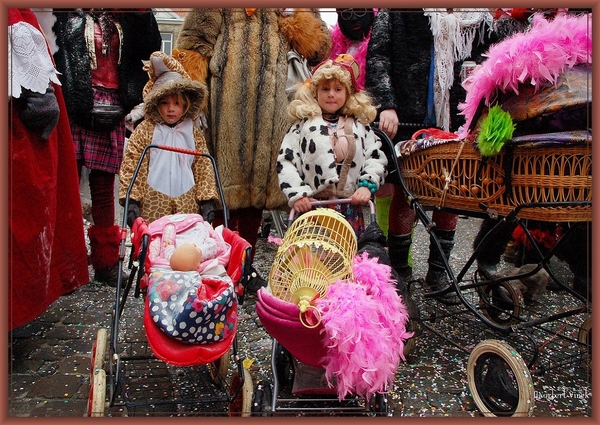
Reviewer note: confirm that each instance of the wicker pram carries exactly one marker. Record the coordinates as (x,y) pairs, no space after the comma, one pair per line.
(522,173)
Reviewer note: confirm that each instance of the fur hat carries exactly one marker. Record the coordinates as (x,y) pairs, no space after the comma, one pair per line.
(167,76)
(343,68)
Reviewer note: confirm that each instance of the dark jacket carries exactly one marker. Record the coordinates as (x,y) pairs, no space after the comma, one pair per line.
(141,37)
(398,68)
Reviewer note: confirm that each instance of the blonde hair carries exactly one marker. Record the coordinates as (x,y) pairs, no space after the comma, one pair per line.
(358,104)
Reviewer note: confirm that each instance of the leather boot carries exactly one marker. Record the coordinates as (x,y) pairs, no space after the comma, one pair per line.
(399,249)
(436,278)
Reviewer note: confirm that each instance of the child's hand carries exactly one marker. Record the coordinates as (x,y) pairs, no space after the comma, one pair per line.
(302,205)
(361,197)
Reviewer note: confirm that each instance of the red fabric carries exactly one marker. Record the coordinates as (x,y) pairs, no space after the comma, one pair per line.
(104,246)
(245,221)
(47,256)
(235,269)
(102,192)
(542,237)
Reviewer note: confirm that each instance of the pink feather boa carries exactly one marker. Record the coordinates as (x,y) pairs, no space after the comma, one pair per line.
(537,56)
(365,326)
(340,44)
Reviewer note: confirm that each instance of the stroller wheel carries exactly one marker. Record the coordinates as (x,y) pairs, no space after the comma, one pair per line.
(585,339)
(284,366)
(379,404)
(499,380)
(261,401)
(501,303)
(97,396)
(219,368)
(241,403)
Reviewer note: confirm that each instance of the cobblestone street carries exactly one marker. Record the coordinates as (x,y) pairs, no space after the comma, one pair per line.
(49,370)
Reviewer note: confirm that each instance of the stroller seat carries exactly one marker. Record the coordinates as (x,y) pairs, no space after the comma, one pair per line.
(191,318)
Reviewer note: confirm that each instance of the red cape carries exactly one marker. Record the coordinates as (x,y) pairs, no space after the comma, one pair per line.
(47,255)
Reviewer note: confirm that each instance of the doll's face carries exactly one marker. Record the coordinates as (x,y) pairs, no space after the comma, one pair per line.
(331,96)
(171,108)
(355,23)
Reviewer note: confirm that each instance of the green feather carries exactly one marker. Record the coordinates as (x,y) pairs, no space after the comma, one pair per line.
(494,131)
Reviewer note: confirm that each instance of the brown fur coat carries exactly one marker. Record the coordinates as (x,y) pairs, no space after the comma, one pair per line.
(243,61)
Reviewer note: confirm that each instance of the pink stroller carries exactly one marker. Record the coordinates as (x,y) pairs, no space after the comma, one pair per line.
(337,321)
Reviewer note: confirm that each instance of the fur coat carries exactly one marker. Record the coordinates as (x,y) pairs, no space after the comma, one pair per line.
(242,57)
(398,67)
(141,37)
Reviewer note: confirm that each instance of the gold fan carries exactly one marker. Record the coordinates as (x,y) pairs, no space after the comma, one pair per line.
(316,251)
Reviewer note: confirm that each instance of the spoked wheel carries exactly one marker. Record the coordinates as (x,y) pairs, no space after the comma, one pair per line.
(501,303)
(585,339)
(97,396)
(262,398)
(218,369)
(499,380)
(241,405)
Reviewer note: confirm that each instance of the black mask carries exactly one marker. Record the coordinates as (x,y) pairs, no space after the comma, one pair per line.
(355,23)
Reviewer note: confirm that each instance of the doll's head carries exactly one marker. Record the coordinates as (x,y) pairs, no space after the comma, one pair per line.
(186,257)
(355,23)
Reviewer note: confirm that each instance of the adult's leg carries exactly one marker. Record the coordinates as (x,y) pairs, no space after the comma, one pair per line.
(401,220)
(437,278)
(104,234)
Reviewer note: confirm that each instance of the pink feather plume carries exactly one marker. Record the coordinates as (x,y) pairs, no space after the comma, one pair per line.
(534,57)
(365,326)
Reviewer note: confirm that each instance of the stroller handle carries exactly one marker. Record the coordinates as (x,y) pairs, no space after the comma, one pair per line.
(317,203)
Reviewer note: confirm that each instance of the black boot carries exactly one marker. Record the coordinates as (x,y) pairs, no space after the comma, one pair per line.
(490,254)
(436,278)
(399,248)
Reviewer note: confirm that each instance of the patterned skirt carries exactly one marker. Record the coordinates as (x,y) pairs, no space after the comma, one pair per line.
(100,150)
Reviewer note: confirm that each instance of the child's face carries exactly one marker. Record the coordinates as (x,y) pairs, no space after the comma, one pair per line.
(331,96)
(170,109)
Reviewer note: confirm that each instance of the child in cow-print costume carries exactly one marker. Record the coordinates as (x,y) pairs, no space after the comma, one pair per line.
(330,151)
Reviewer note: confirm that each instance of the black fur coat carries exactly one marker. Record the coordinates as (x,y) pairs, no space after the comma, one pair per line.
(141,37)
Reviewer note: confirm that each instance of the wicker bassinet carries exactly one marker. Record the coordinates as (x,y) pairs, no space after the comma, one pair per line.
(535,175)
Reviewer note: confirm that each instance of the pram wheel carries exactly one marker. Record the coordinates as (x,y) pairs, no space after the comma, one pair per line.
(585,339)
(97,396)
(241,405)
(262,398)
(379,404)
(501,303)
(218,369)
(499,380)
(284,366)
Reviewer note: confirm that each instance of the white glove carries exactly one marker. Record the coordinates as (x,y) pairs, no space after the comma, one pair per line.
(136,114)
(201,121)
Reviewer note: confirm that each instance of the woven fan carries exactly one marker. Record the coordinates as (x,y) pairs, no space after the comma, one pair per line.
(316,251)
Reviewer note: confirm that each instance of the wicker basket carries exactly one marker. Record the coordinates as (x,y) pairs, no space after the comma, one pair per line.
(317,250)
(536,174)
